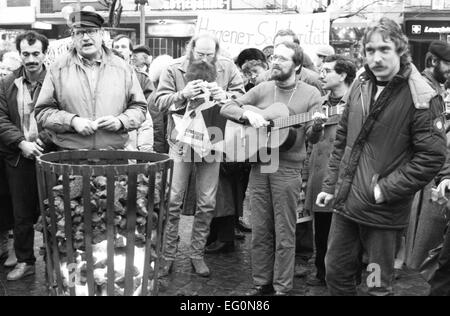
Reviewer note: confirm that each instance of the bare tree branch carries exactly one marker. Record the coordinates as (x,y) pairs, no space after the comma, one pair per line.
(357,12)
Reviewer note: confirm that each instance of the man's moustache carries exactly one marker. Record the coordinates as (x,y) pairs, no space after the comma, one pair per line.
(31,64)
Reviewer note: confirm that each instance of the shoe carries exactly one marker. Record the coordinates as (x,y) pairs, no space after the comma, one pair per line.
(3,245)
(166,268)
(238,235)
(243,227)
(220,247)
(200,267)
(279,293)
(300,271)
(261,290)
(316,282)
(21,270)
(12,259)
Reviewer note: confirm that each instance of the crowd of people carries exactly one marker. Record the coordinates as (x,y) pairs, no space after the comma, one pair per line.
(376,137)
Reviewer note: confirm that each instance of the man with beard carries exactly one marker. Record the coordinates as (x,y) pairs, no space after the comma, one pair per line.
(20,143)
(436,75)
(178,87)
(274,195)
(90,98)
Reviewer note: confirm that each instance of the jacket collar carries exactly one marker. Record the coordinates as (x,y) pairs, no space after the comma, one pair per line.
(105,59)
(183,66)
(20,73)
(421,91)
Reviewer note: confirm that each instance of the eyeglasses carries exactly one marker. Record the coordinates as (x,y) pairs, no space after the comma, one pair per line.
(203,55)
(79,33)
(281,59)
(325,71)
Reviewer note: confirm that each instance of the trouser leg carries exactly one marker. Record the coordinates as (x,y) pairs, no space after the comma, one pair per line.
(322,224)
(262,217)
(285,185)
(180,179)
(207,181)
(380,245)
(342,257)
(440,282)
(24,194)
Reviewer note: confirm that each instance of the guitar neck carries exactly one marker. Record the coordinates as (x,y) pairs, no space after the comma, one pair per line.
(301,118)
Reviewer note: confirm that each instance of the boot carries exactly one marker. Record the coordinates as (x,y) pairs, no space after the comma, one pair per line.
(12,260)
(3,244)
(200,267)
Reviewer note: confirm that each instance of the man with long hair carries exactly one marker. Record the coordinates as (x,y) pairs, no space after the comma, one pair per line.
(389,144)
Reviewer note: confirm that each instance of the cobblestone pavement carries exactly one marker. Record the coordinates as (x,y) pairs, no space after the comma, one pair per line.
(230,275)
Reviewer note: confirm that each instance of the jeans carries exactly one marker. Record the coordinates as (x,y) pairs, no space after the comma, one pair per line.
(346,242)
(274,198)
(440,282)
(24,193)
(207,179)
(322,224)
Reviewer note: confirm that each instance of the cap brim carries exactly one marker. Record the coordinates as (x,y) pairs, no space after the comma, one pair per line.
(84,24)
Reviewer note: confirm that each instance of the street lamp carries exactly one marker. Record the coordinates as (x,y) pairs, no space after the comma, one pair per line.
(142,4)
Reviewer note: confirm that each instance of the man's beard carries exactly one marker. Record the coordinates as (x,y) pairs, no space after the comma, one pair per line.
(282,76)
(439,75)
(203,70)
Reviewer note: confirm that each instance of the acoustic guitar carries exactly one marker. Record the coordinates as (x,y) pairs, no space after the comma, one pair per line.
(243,142)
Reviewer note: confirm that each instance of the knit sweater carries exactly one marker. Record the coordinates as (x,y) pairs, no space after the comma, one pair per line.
(304,99)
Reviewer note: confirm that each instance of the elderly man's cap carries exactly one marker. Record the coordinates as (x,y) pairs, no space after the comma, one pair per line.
(440,49)
(142,49)
(85,19)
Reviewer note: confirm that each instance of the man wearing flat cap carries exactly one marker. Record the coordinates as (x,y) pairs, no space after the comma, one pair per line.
(90,98)
(142,58)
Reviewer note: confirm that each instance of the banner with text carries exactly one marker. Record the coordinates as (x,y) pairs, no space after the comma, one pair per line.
(238,31)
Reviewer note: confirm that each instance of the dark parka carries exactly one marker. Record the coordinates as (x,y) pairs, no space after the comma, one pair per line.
(399,143)
(10,126)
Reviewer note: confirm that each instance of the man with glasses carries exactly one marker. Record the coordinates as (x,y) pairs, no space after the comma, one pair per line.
(337,74)
(90,98)
(179,84)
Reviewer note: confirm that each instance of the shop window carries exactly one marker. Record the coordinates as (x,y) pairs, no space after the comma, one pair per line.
(174,47)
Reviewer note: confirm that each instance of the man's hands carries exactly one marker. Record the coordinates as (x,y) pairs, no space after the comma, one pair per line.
(86,127)
(217,93)
(323,199)
(30,150)
(255,119)
(377,194)
(109,123)
(443,186)
(319,121)
(192,88)
(83,126)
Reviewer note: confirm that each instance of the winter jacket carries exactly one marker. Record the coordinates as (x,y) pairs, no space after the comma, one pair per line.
(66,94)
(317,160)
(397,142)
(11,133)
